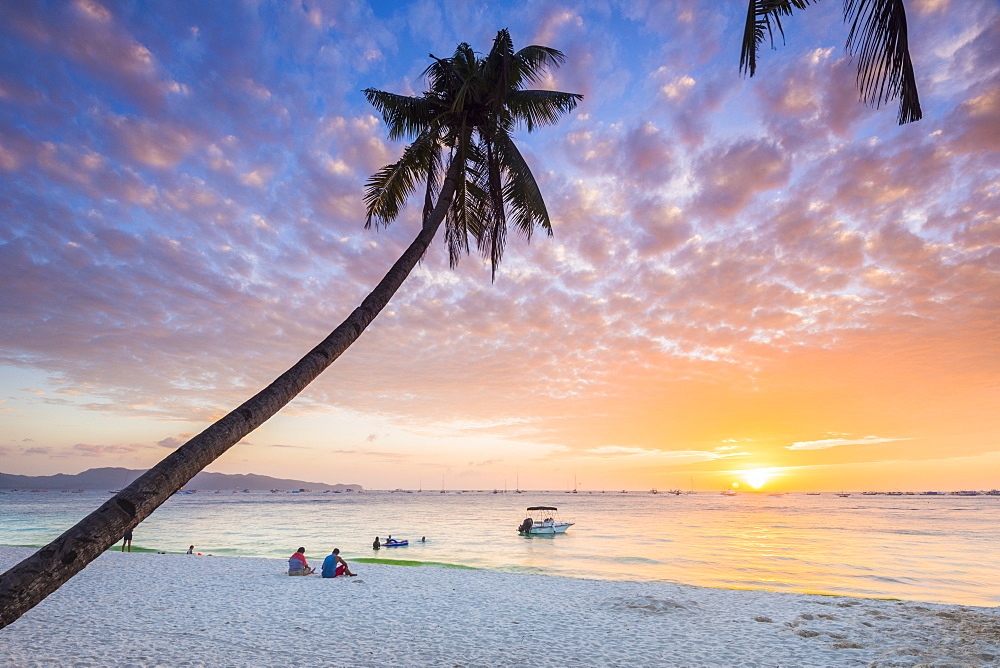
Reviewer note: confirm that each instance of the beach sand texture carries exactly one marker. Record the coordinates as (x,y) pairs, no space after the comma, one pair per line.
(145,609)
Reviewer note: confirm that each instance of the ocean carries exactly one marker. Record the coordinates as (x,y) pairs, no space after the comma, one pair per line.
(942,549)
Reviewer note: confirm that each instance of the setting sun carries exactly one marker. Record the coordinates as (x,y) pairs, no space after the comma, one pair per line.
(757,478)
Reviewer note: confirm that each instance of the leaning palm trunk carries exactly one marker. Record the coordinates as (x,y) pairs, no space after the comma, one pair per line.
(469,96)
(25,585)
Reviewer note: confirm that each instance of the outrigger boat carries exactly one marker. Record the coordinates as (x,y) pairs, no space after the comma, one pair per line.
(543,522)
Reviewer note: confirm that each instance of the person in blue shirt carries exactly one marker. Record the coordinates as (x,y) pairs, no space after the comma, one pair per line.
(335,566)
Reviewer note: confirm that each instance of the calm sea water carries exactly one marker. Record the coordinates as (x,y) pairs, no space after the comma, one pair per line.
(939,549)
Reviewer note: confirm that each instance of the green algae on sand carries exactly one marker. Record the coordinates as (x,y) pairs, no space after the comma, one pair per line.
(409,562)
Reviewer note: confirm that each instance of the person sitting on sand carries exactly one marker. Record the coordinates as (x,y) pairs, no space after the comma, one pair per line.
(297,564)
(376,544)
(191,550)
(334,565)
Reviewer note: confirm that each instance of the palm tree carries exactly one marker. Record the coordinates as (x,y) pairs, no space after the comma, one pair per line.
(464,121)
(877,38)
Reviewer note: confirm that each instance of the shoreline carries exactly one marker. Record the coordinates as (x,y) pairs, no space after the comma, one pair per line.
(416,563)
(145,608)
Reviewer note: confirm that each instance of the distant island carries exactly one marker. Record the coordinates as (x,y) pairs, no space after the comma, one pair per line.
(116,478)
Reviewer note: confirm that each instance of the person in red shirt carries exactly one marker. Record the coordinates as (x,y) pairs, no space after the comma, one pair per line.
(297,564)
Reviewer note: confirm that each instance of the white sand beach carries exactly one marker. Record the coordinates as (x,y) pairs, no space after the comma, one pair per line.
(147,609)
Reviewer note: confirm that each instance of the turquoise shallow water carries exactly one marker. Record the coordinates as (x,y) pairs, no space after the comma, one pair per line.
(938,549)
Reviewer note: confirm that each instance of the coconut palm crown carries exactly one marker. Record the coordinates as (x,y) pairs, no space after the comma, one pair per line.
(466,117)
(877,38)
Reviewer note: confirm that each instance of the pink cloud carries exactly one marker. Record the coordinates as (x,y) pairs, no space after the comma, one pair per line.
(174,442)
(663,227)
(730,176)
(640,155)
(90,38)
(896,245)
(590,67)
(975,124)
(690,102)
(804,99)
(89,450)
(151,143)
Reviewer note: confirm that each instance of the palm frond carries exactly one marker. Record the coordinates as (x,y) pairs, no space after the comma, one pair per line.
(443,76)
(493,232)
(461,220)
(521,192)
(540,107)
(878,38)
(498,70)
(764,19)
(386,190)
(532,62)
(500,59)
(469,215)
(467,66)
(433,186)
(405,116)
(456,228)
(471,107)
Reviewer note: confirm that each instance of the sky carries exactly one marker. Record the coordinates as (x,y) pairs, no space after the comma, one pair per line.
(756,282)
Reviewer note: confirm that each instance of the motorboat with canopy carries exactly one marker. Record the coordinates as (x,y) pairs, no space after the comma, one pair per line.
(542,520)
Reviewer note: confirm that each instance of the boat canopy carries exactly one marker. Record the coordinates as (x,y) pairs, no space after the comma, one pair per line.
(542,508)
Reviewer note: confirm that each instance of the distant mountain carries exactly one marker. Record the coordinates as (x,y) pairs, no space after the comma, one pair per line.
(116,478)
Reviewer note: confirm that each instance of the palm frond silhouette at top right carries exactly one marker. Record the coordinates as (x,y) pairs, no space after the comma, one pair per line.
(877,40)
